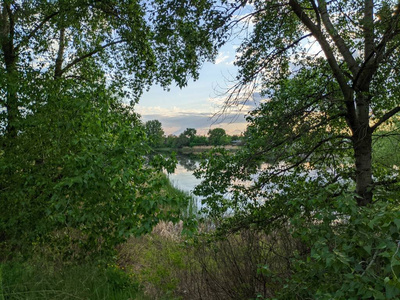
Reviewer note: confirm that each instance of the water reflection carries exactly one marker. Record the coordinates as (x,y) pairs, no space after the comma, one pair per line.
(183,177)
(190,163)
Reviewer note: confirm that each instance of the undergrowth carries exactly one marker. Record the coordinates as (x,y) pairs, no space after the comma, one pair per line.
(43,280)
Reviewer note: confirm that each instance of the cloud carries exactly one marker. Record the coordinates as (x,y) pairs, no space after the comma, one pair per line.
(175,121)
(241,105)
(221,58)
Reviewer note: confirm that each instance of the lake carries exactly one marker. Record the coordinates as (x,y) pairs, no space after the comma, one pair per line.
(183,177)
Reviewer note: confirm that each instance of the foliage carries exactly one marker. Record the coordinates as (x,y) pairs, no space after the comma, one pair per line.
(218,137)
(327,72)
(82,169)
(72,155)
(353,254)
(199,140)
(156,261)
(154,132)
(186,138)
(200,267)
(386,145)
(189,138)
(343,252)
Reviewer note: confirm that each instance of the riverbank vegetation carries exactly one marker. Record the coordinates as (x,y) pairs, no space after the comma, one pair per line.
(189,138)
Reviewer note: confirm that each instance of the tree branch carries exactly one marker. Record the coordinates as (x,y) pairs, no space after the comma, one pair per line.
(89,54)
(315,8)
(339,42)
(390,51)
(305,156)
(276,53)
(36,29)
(337,72)
(372,61)
(294,138)
(386,117)
(368,27)
(59,59)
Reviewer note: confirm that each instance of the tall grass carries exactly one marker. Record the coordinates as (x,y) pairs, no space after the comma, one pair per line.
(42,280)
(186,202)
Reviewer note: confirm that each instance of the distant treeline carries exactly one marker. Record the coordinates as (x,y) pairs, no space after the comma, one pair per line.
(188,138)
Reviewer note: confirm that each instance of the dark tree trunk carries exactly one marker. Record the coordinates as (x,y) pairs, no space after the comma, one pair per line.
(12,97)
(362,145)
(10,60)
(362,133)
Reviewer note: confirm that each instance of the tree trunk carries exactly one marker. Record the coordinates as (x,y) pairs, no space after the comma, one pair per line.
(362,135)
(362,145)
(60,55)
(10,60)
(12,97)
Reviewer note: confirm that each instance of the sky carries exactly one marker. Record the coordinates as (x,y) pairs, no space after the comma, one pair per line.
(195,105)
(198,104)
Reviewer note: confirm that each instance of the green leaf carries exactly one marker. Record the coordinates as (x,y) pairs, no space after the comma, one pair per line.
(368,248)
(397,222)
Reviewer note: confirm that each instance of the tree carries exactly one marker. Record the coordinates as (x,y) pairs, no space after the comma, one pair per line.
(186,138)
(170,141)
(154,132)
(218,137)
(200,140)
(328,71)
(190,133)
(136,44)
(72,157)
(79,183)
(350,75)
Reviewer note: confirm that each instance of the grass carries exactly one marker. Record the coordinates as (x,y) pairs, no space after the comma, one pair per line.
(44,280)
(185,201)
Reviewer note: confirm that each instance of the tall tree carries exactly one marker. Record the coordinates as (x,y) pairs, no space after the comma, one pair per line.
(154,132)
(186,138)
(346,56)
(217,137)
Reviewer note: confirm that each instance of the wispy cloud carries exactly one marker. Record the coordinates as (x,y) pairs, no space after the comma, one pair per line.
(222,56)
